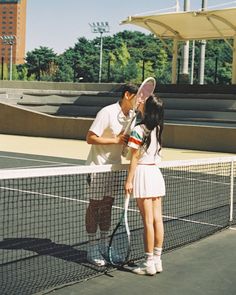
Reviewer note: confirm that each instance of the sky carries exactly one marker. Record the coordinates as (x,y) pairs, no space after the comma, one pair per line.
(57,24)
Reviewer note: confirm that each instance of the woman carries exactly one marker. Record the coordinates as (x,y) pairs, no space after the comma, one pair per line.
(145,181)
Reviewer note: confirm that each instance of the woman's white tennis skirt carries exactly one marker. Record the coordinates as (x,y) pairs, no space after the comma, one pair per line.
(148,182)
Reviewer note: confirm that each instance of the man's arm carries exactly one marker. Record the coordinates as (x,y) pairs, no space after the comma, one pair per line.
(92,138)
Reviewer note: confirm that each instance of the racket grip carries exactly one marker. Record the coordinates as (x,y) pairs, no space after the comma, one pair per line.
(126,205)
(125,151)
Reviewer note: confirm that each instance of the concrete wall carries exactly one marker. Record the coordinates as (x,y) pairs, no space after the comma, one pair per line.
(216,132)
(180,106)
(26,85)
(200,137)
(171,88)
(18,121)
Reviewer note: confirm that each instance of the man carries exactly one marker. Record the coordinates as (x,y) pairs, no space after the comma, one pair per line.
(106,135)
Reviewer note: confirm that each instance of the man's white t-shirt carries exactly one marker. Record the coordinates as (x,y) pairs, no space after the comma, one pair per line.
(109,122)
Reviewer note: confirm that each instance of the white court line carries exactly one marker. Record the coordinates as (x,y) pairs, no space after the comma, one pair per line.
(41,194)
(195,179)
(40,166)
(117,207)
(33,160)
(175,218)
(193,221)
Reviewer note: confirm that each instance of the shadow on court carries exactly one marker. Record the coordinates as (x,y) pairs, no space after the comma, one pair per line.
(45,247)
(207,267)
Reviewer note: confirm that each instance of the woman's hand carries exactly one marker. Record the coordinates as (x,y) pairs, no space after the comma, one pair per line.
(128,187)
(132,167)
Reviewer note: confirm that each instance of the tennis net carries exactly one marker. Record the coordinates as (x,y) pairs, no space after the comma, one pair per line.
(43,239)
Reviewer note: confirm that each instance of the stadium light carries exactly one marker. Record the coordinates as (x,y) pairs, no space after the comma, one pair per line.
(9,40)
(100,28)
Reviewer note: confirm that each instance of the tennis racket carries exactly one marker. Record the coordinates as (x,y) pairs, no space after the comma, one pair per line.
(119,244)
(145,90)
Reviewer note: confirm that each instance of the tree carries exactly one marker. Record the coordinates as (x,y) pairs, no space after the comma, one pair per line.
(121,63)
(41,62)
(64,71)
(127,56)
(86,59)
(14,72)
(5,72)
(22,72)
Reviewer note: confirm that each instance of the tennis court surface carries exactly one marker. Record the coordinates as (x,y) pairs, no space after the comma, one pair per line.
(44,243)
(205,267)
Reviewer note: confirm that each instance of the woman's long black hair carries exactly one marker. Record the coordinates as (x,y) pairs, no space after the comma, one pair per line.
(153,117)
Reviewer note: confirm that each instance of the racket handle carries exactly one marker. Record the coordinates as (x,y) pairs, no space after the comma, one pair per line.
(126,213)
(125,151)
(127,129)
(127,197)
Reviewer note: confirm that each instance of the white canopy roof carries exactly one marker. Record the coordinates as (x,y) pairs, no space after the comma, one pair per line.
(193,25)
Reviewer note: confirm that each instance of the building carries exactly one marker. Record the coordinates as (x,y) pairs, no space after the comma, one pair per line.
(12,30)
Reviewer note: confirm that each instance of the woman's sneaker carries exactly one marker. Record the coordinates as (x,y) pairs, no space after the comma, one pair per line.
(145,268)
(158,265)
(94,256)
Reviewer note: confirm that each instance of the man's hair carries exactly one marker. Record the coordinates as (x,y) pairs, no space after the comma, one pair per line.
(131,88)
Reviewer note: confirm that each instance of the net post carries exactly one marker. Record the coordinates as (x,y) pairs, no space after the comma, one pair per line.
(231,192)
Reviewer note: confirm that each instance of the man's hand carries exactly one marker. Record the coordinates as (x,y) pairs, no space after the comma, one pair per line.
(122,138)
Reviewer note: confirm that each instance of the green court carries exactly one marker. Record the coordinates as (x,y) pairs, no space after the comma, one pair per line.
(43,247)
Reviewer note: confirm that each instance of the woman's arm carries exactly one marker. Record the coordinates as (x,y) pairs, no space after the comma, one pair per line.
(135,153)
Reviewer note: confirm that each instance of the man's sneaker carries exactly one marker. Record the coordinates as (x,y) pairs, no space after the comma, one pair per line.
(94,256)
(145,268)
(158,265)
(114,256)
(103,248)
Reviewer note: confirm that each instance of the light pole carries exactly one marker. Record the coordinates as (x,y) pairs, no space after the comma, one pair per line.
(9,40)
(202,51)
(100,27)
(185,52)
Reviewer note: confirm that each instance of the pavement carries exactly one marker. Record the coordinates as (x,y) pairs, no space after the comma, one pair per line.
(78,149)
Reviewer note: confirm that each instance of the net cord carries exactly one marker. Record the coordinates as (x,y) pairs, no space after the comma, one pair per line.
(73,170)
